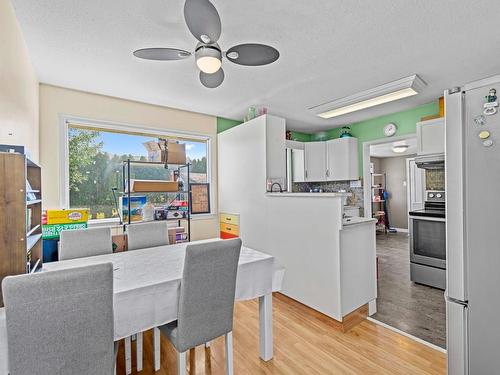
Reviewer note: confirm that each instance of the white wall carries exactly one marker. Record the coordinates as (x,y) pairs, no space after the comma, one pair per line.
(18,86)
(302,233)
(395,170)
(57,101)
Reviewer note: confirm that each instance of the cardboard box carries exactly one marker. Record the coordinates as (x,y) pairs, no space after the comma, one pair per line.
(176,153)
(137,204)
(148,186)
(120,242)
(176,235)
(67,216)
(53,231)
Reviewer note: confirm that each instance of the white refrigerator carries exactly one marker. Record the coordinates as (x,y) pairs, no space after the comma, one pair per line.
(473,228)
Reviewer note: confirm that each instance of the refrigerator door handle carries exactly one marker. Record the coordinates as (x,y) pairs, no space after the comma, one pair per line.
(457,338)
(456,258)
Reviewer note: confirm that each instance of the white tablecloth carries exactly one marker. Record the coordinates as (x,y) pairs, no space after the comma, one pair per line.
(146,286)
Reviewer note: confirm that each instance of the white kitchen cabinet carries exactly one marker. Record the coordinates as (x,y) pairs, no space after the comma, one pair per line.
(430,137)
(342,159)
(298,166)
(334,160)
(315,161)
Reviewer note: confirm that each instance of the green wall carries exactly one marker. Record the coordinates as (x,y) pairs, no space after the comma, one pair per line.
(373,129)
(365,131)
(301,137)
(223,124)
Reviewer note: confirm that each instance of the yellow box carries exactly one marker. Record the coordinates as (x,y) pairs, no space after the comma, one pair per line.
(230,228)
(67,216)
(229,218)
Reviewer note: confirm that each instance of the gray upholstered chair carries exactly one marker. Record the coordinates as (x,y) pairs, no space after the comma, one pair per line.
(61,322)
(80,243)
(206,300)
(151,234)
(142,236)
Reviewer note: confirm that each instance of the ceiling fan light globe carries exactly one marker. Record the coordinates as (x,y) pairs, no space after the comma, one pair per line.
(208,58)
(208,64)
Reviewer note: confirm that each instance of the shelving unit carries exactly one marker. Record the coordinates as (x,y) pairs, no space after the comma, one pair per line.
(21,219)
(379,181)
(179,195)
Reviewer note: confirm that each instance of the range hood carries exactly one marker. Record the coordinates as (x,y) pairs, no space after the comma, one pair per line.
(430,161)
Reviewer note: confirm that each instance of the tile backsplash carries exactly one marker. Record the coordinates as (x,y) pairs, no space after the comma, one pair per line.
(332,187)
(434,179)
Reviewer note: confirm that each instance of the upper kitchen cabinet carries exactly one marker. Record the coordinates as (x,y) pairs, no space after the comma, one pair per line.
(334,160)
(295,162)
(315,161)
(342,159)
(430,137)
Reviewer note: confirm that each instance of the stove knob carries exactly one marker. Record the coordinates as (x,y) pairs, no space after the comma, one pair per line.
(439,196)
(431,195)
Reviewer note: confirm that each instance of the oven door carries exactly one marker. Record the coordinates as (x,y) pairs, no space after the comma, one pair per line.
(428,241)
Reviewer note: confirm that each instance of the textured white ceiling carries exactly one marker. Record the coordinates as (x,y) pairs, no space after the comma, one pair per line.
(384,150)
(329,49)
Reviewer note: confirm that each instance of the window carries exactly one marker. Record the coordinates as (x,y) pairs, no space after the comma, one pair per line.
(95,159)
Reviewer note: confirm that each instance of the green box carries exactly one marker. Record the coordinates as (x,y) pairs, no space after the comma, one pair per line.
(52,231)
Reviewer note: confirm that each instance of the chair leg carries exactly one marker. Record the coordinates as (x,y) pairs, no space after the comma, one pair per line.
(229,353)
(128,355)
(138,351)
(156,334)
(181,363)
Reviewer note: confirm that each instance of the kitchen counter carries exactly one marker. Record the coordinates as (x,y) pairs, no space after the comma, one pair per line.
(357,220)
(310,195)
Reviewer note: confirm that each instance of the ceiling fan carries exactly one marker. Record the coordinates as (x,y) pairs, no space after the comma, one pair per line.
(204,23)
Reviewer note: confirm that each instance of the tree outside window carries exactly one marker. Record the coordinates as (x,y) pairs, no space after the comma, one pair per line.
(95,167)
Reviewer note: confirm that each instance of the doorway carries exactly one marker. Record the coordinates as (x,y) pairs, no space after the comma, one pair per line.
(394,186)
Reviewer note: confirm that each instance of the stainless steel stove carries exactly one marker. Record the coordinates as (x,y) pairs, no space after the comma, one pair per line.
(428,241)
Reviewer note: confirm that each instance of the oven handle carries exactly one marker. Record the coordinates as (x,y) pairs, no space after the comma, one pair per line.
(427,218)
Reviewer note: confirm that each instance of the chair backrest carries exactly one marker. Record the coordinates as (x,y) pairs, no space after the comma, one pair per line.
(206,300)
(80,243)
(60,322)
(143,235)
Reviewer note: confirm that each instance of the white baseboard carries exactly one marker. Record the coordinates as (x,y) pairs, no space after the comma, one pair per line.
(435,347)
(401,230)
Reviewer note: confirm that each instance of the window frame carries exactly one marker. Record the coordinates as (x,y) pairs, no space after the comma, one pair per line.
(67,120)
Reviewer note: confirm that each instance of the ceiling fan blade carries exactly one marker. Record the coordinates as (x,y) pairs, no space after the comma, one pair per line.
(203,20)
(252,54)
(212,81)
(162,54)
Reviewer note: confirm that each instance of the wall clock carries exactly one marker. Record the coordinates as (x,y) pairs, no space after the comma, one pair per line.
(390,129)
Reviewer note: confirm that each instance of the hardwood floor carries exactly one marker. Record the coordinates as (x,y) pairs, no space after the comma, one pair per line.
(305,342)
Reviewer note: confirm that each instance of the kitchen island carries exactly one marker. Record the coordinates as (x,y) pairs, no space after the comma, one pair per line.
(330,262)
(329,265)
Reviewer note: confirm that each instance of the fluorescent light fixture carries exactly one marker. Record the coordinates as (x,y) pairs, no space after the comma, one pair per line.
(402,88)
(399,149)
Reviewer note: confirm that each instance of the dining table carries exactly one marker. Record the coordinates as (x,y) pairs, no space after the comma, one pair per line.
(146,286)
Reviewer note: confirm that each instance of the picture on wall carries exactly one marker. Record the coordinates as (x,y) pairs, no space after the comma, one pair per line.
(200,194)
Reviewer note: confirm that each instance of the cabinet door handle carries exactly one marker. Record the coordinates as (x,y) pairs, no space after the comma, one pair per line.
(327,173)
(306,174)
